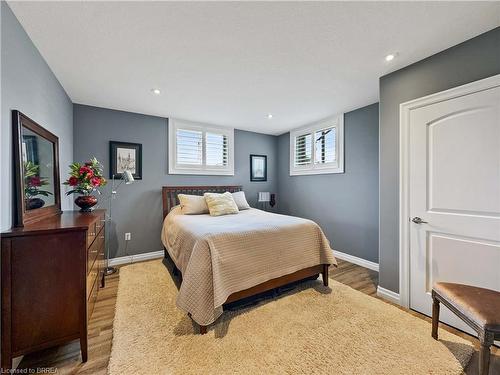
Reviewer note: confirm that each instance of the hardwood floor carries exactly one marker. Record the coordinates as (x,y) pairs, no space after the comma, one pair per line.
(356,277)
(66,359)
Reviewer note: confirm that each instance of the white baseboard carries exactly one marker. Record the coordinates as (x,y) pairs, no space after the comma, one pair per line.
(388,295)
(359,261)
(136,258)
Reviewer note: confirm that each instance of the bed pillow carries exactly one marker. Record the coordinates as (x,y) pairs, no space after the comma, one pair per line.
(221,204)
(193,204)
(241,200)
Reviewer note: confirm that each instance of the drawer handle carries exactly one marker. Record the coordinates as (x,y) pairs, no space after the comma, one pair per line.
(101,237)
(92,234)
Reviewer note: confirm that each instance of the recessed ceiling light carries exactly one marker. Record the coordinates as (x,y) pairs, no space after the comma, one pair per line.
(390,57)
(269,116)
(156,91)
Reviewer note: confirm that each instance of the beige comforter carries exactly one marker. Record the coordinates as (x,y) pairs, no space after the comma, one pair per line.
(222,255)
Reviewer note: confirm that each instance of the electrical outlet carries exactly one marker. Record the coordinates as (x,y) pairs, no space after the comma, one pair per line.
(128,236)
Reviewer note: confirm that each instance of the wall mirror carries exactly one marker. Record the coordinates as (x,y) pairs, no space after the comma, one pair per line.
(36,166)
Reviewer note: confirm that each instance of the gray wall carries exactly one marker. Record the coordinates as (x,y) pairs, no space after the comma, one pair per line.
(344,205)
(472,60)
(28,85)
(138,207)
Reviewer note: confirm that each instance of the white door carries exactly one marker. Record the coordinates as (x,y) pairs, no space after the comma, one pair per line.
(454,188)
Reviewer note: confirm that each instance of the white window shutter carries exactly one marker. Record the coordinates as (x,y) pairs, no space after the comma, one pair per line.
(325,146)
(189,147)
(200,149)
(318,148)
(216,149)
(303,149)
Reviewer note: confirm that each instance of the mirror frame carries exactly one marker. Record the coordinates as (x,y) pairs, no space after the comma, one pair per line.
(21,216)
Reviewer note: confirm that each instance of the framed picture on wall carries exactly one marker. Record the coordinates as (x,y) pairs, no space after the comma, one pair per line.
(258,168)
(125,156)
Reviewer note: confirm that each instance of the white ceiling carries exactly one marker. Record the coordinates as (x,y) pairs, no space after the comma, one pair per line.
(233,63)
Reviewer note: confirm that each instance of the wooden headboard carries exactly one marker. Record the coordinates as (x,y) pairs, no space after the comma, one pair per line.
(169,193)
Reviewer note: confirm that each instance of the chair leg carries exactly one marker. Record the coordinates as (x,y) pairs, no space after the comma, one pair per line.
(484,359)
(435,318)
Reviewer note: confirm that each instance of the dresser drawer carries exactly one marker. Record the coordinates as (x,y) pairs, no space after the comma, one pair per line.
(101,260)
(91,234)
(96,227)
(92,277)
(92,299)
(94,250)
(94,262)
(99,225)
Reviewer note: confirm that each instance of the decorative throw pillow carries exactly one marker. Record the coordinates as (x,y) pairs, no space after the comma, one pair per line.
(241,200)
(193,204)
(221,204)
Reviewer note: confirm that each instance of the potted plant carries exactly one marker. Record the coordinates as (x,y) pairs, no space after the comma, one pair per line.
(84,180)
(32,184)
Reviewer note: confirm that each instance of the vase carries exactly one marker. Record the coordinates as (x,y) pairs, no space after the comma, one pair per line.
(34,203)
(86,202)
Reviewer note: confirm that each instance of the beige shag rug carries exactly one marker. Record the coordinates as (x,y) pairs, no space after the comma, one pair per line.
(308,330)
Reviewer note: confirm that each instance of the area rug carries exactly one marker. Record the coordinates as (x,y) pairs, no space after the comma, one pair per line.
(310,329)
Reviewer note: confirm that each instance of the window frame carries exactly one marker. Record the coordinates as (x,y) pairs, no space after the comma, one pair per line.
(313,168)
(203,169)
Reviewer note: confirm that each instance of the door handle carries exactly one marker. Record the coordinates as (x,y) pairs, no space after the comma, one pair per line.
(418,220)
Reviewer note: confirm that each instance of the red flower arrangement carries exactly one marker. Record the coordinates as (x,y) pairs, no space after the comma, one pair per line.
(33,182)
(85,178)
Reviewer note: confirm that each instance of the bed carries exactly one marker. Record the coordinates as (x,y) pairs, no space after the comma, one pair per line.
(227,258)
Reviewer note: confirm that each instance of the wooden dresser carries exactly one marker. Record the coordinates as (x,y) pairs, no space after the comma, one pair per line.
(51,271)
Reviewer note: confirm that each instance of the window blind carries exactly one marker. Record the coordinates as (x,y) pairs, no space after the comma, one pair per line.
(200,149)
(216,149)
(303,149)
(324,141)
(318,148)
(189,146)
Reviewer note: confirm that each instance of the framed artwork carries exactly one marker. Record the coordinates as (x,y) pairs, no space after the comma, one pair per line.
(125,156)
(258,168)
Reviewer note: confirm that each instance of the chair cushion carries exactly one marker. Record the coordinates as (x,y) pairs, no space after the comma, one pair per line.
(478,304)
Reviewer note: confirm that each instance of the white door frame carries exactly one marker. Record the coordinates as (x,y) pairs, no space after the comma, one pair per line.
(404,170)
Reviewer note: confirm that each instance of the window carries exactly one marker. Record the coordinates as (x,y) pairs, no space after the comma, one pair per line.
(303,150)
(200,149)
(318,148)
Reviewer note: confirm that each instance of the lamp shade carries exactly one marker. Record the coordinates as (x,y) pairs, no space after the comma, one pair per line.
(127,177)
